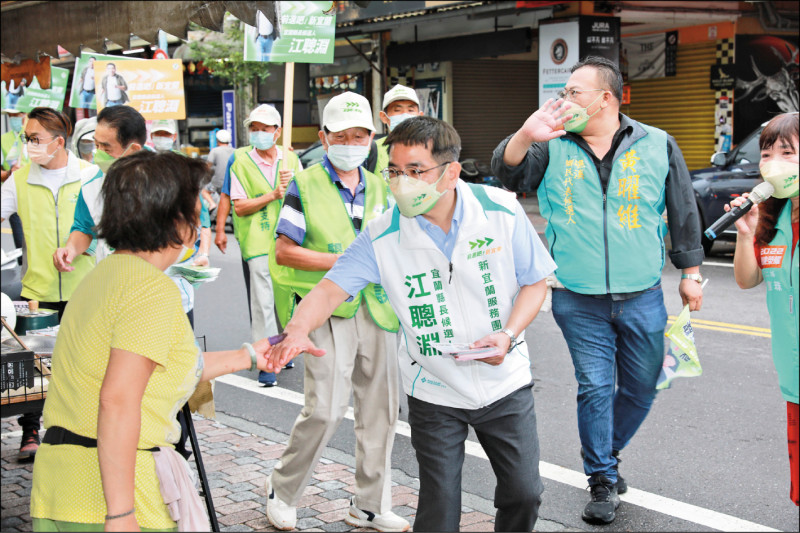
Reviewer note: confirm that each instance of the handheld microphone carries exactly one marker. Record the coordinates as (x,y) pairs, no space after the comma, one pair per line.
(760,192)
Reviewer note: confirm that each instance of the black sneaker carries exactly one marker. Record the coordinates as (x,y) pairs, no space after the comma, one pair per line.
(29,444)
(605,500)
(622,486)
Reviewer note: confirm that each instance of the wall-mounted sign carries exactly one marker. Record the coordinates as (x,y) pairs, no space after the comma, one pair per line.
(723,77)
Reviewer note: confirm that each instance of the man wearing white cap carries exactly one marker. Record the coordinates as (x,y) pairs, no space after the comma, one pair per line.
(83,138)
(258,178)
(324,210)
(163,133)
(399,103)
(218,159)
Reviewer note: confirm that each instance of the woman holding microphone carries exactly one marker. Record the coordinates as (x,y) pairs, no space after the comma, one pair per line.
(766,250)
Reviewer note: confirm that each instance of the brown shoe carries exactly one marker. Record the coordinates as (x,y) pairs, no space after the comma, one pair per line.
(29,444)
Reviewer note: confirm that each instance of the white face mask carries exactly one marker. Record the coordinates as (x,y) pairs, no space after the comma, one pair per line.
(395,120)
(38,152)
(415,196)
(347,157)
(783,176)
(162,144)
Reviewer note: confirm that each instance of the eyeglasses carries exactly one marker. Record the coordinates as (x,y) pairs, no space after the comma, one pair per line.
(392,173)
(569,94)
(33,140)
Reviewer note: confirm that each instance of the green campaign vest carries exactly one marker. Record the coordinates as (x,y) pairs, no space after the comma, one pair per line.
(383,156)
(606,243)
(256,231)
(7,142)
(329,229)
(781,277)
(46,226)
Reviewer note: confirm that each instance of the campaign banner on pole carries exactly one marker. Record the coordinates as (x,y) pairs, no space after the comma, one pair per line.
(559,48)
(229,114)
(153,87)
(304,34)
(83,91)
(34,96)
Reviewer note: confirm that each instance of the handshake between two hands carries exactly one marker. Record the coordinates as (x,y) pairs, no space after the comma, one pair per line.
(274,352)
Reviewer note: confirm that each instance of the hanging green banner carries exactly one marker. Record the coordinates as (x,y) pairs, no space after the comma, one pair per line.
(35,96)
(305,33)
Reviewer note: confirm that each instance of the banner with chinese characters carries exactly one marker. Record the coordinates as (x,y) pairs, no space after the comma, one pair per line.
(559,46)
(305,33)
(34,96)
(83,91)
(153,87)
(649,56)
(600,37)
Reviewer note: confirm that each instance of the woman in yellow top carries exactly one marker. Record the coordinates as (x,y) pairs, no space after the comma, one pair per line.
(125,360)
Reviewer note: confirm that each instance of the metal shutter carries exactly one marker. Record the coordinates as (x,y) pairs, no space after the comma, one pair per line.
(491,100)
(683,105)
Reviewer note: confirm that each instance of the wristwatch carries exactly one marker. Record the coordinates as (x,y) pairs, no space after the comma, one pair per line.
(511,336)
(696,277)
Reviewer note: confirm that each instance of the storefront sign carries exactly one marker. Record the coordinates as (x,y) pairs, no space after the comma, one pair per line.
(304,34)
(153,87)
(34,96)
(600,37)
(229,114)
(649,56)
(723,77)
(559,46)
(83,85)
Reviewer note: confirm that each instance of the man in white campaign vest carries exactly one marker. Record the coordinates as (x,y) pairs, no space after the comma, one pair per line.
(461,264)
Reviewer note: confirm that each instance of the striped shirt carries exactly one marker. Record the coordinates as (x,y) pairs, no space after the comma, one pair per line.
(292,222)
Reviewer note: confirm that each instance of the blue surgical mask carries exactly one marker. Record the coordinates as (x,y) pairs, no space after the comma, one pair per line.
(15,123)
(395,120)
(262,140)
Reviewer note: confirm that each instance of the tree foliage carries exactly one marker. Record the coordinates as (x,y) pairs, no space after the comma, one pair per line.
(223,55)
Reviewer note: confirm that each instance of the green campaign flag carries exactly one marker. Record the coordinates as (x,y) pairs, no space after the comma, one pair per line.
(35,96)
(681,360)
(305,33)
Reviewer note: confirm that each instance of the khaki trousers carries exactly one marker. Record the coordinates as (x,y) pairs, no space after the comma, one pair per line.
(360,357)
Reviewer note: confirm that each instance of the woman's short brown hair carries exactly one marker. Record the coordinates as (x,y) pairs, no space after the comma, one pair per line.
(783,128)
(150,199)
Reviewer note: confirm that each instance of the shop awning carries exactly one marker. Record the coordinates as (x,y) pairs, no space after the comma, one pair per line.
(31,28)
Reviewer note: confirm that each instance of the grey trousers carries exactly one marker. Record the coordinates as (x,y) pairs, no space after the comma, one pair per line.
(507,431)
(362,358)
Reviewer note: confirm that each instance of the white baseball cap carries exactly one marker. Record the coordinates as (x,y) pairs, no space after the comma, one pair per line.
(223,136)
(265,114)
(166,124)
(399,92)
(347,110)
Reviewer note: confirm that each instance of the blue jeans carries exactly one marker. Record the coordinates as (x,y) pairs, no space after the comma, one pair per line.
(112,103)
(86,99)
(612,341)
(264,47)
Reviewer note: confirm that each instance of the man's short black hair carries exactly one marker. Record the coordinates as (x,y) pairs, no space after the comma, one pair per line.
(436,135)
(150,199)
(610,74)
(128,123)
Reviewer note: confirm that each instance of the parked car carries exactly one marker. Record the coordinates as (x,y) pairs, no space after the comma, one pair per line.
(311,155)
(732,174)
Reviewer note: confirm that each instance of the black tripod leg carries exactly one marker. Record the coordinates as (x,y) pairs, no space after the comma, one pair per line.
(201,471)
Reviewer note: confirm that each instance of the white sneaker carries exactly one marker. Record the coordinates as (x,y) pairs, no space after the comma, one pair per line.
(387,521)
(279,514)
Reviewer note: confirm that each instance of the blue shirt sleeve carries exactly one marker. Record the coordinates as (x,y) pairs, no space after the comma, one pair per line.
(205,217)
(532,262)
(357,267)
(83,219)
(226,184)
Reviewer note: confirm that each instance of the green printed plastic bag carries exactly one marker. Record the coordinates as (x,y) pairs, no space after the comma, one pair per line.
(681,359)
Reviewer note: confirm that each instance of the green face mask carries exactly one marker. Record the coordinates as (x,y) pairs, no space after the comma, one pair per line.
(104,161)
(580,117)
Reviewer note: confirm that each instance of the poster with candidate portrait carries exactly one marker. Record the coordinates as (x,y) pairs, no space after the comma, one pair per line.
(303,33)
(83,93)
(767,69)
(153,87)
(34,95)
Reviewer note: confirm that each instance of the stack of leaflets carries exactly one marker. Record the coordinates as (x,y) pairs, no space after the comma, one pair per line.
(463,352)
(193,274)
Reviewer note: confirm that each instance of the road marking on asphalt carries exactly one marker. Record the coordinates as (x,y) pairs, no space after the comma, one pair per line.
(11,434)
(654,502)
(725,326)
(713,263)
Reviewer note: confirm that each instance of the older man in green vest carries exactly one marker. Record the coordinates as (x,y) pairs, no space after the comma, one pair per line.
(324,210)
(399,103)
(259,175)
